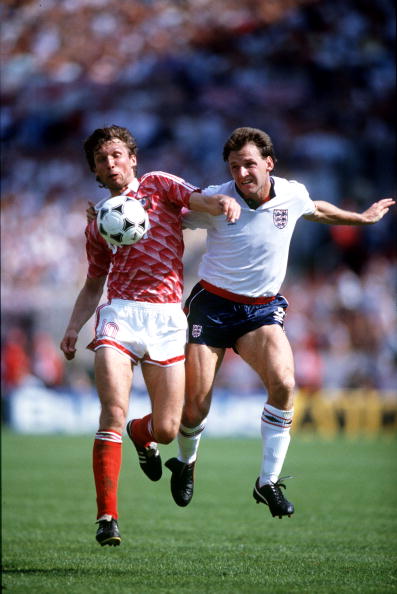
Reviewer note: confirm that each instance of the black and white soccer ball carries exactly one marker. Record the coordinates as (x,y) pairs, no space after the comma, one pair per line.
(122,220)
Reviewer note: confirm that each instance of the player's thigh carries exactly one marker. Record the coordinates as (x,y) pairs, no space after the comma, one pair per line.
(268,351)
(166,387)
(113,377)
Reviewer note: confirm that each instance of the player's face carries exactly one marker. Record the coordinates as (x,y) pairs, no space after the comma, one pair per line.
(114,166)
(251,172)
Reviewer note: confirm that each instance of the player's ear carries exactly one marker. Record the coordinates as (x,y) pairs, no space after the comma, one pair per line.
(269,163)
(133,161)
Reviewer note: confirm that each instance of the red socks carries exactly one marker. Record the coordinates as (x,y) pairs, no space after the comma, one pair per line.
(106,459)
(141,430)
(106,466)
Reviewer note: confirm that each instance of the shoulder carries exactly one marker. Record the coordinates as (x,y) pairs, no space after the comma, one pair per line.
(151,175)
(227,188)
(164,179)
(294,194)
(289,185)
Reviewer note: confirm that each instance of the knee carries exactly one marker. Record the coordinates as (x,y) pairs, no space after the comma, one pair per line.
(281,392)
(112,416)
(288,385)
(166,431)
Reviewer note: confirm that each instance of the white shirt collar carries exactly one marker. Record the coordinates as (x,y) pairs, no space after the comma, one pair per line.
(132,187)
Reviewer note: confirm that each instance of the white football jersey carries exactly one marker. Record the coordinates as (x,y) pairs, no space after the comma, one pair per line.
(250,257)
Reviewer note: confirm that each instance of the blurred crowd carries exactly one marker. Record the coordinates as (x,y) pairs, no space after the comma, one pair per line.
(319,77)
(342,328)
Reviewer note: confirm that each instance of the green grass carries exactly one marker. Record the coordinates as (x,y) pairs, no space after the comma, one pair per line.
(342,538)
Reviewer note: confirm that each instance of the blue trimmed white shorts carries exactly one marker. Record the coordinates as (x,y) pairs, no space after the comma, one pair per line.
(219,322)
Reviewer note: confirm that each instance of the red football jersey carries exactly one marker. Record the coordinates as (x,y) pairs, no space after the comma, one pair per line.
(151,269)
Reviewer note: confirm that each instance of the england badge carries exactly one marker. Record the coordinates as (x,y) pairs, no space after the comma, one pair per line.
(196,330)
(280,217)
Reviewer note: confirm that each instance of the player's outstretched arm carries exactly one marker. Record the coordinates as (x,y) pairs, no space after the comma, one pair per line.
(332,215)
(215,205)
(86,304)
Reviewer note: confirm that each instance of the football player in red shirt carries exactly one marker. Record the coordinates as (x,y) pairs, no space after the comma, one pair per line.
(142,320)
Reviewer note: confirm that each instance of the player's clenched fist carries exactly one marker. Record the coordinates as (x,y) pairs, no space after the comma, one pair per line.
(230,208)
(216,204)
(68,344)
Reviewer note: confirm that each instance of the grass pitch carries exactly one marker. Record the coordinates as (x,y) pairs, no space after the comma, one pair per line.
(342,538)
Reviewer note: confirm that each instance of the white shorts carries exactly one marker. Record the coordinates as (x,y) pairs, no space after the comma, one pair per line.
(148,332)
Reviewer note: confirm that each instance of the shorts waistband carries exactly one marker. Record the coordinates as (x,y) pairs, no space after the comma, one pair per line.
(145,304)
(245,299)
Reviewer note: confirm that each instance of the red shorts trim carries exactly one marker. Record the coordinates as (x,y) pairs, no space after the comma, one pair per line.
(235,296)
(165,363)
(95,344)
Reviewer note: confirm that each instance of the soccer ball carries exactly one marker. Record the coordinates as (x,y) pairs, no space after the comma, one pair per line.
(122,220)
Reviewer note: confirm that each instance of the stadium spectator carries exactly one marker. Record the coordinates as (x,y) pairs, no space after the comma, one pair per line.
(47,363)
(15,360)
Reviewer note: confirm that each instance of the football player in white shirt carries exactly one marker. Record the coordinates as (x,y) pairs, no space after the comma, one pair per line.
(237,305)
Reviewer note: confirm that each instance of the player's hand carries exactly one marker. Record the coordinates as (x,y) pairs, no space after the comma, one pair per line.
(377,210)
(230,208)
(218,204)
(215,205)
(68,344)
(90,212)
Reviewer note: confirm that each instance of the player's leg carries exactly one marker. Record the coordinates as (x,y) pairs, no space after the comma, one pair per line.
(113,375)
(166,385)
(163,335)
(268,352)
(202,364)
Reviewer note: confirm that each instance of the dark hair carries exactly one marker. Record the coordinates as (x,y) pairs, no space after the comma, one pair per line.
(102,135)
(242,136)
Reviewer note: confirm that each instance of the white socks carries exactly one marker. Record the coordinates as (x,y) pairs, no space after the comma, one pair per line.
(275,429)
(188,441)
